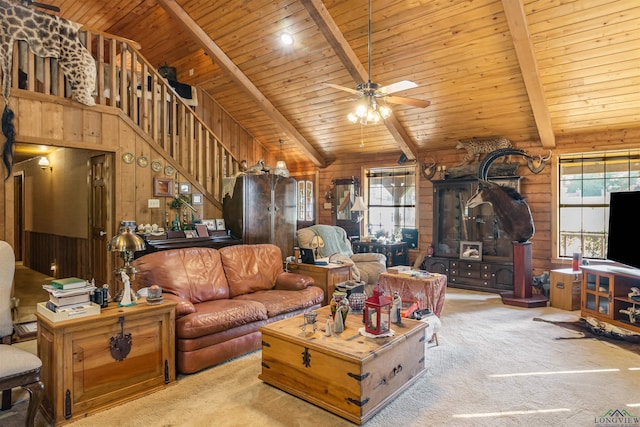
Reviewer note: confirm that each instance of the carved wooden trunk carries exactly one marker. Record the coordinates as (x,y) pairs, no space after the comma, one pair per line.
(347,374)
(81,375)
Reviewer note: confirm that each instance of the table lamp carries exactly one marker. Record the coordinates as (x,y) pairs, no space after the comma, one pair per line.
(127,242)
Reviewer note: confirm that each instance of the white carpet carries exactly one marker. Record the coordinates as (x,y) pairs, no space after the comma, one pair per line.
(494,366)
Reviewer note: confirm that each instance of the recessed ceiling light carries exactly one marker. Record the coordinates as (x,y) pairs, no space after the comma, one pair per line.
(286,39)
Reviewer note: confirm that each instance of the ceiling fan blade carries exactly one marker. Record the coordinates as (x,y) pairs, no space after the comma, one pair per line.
(44,6)
(397,87)
(407,101)
(346,89)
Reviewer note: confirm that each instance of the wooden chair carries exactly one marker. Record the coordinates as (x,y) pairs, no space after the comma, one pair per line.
(19,368)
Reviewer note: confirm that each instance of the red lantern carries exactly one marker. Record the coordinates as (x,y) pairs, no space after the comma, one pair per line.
(377,312)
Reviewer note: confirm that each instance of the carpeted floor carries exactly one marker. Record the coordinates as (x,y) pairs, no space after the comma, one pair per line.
(494,366)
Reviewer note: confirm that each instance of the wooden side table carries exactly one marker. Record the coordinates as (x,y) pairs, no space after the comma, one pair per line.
(81,375)
(325,276)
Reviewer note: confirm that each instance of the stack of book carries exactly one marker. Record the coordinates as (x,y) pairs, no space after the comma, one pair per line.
(70,297)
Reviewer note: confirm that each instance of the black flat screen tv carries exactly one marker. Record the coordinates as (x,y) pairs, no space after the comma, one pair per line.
(624,228)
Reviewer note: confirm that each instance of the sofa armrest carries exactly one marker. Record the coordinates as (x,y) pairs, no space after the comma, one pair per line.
(184,306)
(292,282)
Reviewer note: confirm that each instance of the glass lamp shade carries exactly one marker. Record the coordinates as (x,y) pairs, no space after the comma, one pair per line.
(358,205)
(280,164)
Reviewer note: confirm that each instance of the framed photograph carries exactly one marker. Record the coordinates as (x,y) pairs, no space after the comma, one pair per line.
(196,199)
(210,224)
(190,234)
(202,230)
(471,250)
(220,224)
(185,188)
(163,187)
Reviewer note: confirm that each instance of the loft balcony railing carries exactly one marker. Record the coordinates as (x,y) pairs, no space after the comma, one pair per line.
(127,81)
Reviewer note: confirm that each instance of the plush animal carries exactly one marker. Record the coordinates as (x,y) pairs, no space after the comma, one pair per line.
(477,146)
(47,36)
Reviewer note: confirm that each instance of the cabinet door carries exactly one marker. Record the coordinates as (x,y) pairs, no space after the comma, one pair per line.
(283,211)
(454,222)
(257,209)
(597,294)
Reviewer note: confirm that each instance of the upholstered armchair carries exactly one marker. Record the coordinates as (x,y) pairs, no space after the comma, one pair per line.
(364,267)
(19,368)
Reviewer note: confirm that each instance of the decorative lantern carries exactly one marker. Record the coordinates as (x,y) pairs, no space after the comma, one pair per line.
(377,312)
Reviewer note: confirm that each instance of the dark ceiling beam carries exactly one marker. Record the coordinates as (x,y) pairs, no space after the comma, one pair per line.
(517,21)
(227,65)
(342,49)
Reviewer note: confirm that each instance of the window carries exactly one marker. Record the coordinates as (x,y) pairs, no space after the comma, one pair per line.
(306,205)
(585,184)
(392,200)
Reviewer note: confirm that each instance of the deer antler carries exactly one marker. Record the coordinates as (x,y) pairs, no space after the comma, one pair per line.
(537,163)
(428,170)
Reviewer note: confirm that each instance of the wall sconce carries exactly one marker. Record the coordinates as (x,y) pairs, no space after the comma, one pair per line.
(44,163)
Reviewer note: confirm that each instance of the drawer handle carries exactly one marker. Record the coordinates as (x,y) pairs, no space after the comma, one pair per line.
(397,370)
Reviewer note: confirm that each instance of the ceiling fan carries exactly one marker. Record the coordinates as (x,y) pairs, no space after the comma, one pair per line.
(371,92)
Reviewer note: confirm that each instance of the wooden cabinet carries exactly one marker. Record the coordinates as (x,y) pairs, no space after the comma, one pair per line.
(482,276)
(605,291)
(396,253)
(80,374)
(262,209)
(324,276)
(475,275)
(454,222)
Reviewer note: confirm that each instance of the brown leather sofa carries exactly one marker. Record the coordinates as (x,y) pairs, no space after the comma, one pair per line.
(224,296)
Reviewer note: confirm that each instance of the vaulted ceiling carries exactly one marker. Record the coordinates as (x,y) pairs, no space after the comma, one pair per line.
(530,70)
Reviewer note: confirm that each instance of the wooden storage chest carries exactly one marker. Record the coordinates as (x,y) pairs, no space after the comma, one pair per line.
(564,289)
(348,374)
(79,372)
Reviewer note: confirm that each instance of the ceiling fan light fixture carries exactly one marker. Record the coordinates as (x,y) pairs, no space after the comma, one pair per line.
(370,113)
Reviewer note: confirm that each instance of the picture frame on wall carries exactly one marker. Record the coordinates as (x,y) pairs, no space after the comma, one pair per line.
(162,187)
(471,250)
(196,199)
(185,188)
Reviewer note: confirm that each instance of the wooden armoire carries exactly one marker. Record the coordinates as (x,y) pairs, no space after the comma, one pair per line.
(262,209)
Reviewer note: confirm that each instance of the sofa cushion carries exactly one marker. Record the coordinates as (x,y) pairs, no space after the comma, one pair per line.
(194,274)
(279,302)
(293,282)
(251,268)
(215,316)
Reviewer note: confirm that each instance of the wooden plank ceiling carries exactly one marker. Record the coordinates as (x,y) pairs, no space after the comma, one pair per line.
(530,71)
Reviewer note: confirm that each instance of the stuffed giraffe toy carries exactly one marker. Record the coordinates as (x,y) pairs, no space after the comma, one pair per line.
(47,36)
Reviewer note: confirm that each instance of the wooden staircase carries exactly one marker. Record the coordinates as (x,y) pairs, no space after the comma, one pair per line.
(127,81)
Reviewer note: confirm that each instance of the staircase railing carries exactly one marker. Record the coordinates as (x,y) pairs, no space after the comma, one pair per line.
(126,80)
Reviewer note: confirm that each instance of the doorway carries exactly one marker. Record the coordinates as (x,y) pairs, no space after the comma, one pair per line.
(18,214)
(45,244)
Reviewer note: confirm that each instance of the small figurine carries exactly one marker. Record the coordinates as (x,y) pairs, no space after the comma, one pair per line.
(126,294)
(396,306)
(329,329)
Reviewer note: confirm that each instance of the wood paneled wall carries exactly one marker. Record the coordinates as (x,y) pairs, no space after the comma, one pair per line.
(241,143)
(539,189)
